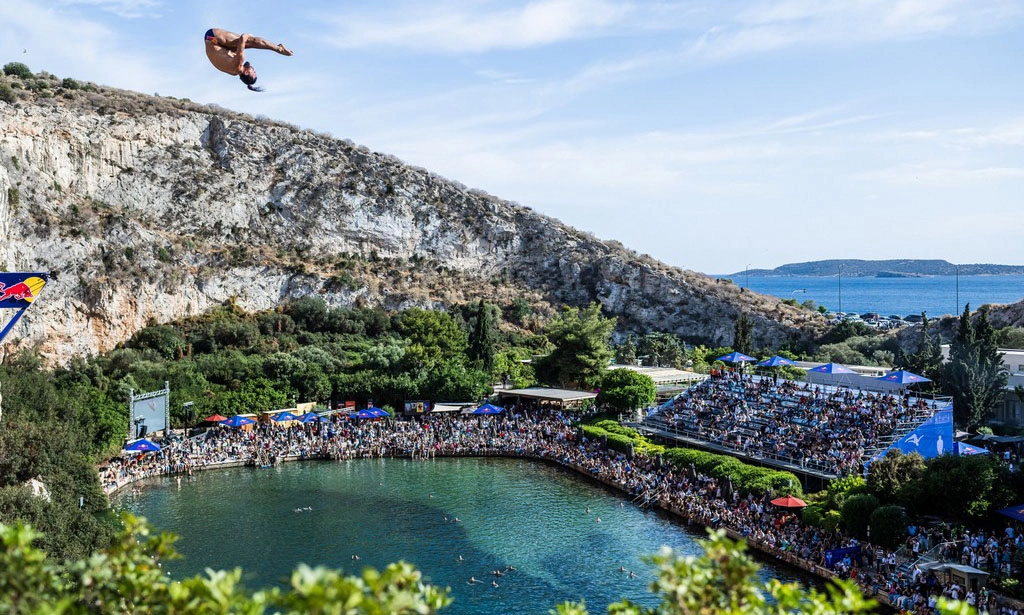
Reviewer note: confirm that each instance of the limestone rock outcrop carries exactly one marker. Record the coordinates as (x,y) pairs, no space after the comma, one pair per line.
(148,209)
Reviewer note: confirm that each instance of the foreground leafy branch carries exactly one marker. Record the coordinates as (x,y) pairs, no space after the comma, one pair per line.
(128,578)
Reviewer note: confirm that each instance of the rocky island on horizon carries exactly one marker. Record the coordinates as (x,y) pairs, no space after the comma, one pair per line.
(894,268)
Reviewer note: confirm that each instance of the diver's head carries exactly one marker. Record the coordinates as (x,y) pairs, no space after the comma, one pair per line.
(248,77)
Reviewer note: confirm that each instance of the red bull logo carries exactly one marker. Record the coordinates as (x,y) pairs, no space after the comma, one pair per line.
(19,291)
(15,287)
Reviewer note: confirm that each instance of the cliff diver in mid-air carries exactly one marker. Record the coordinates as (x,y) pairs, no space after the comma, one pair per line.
(226,51)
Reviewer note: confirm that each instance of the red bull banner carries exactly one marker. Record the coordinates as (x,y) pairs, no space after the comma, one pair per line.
(17,292)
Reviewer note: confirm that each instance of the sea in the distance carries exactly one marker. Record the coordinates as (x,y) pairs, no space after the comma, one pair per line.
(934,295)
(539,518)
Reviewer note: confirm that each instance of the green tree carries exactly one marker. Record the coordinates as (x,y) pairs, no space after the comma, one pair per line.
(961,488)
(581,353)
(18,69)
(926,358)
(625,389)
(434,337)
(888,526)
(518,311)
(625,353)
(742,337)
(888,475)
(661,349)
(856,514)
(483,335)
(974,375)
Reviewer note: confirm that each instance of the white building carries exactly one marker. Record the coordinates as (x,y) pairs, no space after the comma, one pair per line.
(1011,411)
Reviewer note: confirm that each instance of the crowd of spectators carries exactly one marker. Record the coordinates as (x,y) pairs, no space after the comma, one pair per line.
(827,429)
(551,436)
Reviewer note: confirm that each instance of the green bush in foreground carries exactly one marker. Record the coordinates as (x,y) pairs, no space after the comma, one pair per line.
(127,578)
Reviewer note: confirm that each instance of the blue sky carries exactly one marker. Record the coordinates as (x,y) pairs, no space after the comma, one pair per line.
(711,135)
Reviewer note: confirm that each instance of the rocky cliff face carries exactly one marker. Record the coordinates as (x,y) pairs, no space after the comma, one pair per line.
(150,209)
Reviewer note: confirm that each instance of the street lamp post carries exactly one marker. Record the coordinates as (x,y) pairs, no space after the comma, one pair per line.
(840,287)
(957,289)
(746,277)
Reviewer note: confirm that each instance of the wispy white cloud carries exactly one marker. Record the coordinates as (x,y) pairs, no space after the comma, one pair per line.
(938,175)
(772,26)
(128,9)
(477,27)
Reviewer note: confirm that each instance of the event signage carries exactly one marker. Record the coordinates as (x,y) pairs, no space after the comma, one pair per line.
(417,407)
(148,412)
(17,292)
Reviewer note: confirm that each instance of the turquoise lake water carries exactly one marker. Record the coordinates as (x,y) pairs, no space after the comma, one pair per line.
(511,512)
(936,295)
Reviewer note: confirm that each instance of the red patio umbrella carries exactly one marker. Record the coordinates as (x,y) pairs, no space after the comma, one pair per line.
(789,502)
(216,418)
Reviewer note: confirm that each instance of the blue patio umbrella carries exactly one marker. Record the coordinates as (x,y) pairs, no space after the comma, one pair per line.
(903,377)
(142,446)
(488,409)
(371,413)
(832,368)
(237,421)
(310,417)
(284,416)
(776,361)
(736,357)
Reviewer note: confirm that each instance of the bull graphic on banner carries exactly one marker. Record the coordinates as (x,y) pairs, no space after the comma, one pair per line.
(932,438)
(17,292)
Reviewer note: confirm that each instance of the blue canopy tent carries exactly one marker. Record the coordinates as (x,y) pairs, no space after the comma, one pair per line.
(736,357)
(284,416)
(370,413)
(832,368)
(310,417)
(1013,512)
(776,361)
(237,421)
(903,377)
(963,448)
(488,409)
(142,446)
